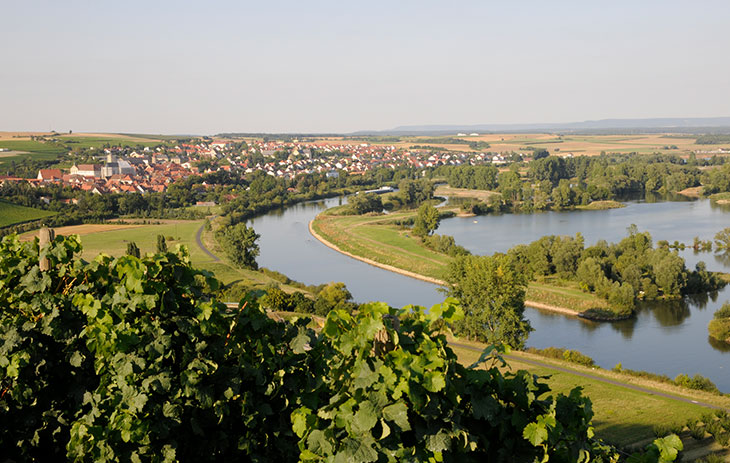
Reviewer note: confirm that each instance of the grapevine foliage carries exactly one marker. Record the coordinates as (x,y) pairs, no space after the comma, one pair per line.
(131,359)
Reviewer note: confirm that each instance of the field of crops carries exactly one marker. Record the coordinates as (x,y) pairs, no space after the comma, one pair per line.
(11,214)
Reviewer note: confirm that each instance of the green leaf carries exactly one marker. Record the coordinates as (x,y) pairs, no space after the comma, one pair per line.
(398,414)
(386,430)
(438,442)
(535,433)
(669,447)
(365,418)
(300,344)
(358,450)
(434,381)
(318,443)
(299,421)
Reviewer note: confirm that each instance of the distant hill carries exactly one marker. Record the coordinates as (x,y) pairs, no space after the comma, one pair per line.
(667,124)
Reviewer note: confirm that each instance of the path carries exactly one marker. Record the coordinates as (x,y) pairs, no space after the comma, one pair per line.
(198,235)
(594,377)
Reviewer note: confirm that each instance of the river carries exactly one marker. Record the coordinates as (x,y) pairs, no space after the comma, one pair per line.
(666,338)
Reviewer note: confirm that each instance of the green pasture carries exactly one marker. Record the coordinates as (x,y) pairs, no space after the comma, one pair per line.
(71,142)
(11,214)
(114,243)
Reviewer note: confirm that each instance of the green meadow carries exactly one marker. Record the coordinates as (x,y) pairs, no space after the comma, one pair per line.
(11,214)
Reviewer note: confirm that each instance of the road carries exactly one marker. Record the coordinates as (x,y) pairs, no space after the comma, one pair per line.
(595,378)
(198,236)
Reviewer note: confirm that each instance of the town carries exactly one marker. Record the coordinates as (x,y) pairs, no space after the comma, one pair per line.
(125,170)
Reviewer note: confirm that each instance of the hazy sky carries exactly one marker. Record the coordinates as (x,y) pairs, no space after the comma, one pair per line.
(334,66)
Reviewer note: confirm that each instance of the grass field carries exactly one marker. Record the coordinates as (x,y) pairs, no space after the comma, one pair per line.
(12,213)
(112,239)
(481,195)
(379,239)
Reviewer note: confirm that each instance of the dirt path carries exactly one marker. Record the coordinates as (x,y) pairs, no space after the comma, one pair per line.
(198,239)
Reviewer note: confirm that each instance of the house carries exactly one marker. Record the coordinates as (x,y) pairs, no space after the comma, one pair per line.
(86,170)
(50,175)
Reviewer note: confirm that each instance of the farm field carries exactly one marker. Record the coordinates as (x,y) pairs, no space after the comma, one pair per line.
(12,213)
(560,145)
(22,147)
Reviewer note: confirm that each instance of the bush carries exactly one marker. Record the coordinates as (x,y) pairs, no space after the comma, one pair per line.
(723,312)
(568,355)
(444,244)
(697,382)
(723,438)
(696,430)
(719,329)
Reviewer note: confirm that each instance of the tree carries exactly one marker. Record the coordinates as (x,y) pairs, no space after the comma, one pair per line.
(669,272)
(239,243)
(161,244)
(413,192)
(427,220)
(364,203)
(334,296)
(132,249)
(722,240)
(492,294)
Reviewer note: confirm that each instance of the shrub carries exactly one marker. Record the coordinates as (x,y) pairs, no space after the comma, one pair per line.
(722,438)
(711,458)
(568,355)
(697,382)
(723,312)
(719,329)
(661,429)
(696,430)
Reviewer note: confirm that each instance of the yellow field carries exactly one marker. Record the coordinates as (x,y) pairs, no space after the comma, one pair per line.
(27,135)
(20,135)
(84,229)
(561,145)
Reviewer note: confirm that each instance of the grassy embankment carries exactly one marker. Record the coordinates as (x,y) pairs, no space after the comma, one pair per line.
(624,417)
(11,214)
(378,238)
(112,239)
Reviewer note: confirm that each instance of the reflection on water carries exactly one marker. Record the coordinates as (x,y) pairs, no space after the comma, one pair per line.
(665,337)
(718,345)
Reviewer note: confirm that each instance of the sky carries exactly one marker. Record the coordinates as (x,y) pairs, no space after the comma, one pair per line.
(193,67)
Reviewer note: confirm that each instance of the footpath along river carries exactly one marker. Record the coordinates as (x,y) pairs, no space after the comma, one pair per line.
(664,337)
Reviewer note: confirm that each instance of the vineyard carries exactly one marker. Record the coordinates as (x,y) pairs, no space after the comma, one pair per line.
(133,359)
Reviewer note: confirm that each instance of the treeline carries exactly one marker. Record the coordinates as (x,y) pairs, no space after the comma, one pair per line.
(621,273)
(713,139)
(557,183)
(262,193)
(132,359)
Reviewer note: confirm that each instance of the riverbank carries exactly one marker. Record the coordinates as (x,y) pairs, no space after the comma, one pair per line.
(530,303)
